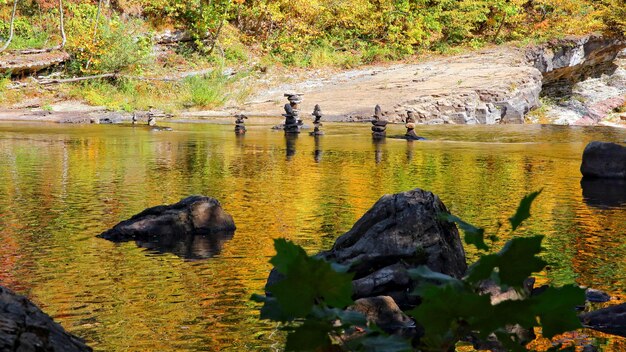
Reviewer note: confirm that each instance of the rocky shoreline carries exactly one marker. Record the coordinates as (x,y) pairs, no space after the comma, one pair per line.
(583,79)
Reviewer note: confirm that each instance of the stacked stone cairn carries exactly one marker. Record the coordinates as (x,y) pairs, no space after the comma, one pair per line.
(410,126)
(240,127)
(151,116)
(293,123)
(317,113)
(379,125)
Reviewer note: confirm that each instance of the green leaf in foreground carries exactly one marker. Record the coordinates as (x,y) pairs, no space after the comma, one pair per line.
(523,210)
(445,309)
(555,308)
(424,273)
(473,234)
(287,253)
(382,343)
(306,280)
(310,336)
(515,262)
(518,260)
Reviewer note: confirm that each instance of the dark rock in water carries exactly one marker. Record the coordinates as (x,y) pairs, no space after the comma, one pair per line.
(596,296)
(194,215)
(25,328)
(413,136)
(379,135)
(603,192)
(604,160)
(610,320)
(106,120)
(187,245)
(524,336)
(399,232)
(378,129)
(289,110)
(385,313)
(294,129)
(380,123)
(240,125)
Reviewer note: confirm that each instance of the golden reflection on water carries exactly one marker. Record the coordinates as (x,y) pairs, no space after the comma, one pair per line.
(60,186)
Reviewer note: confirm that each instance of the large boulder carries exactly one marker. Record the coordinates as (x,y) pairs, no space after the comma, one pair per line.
(611,320)
(604,160)
(192,216)
(25,328)
(399,232)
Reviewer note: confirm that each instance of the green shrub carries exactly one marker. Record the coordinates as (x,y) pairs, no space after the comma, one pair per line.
(310,299)
(205,92)
(118,46)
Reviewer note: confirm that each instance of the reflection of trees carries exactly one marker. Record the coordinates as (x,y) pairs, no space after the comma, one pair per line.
(59,190)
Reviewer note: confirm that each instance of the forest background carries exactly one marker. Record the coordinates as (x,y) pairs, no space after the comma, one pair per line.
(254,36)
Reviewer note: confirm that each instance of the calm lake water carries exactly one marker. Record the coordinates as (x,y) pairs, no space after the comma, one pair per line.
(62,185)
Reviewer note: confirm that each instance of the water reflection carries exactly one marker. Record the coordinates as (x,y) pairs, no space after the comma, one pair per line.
(189,246)
(603,193)
(240,139)
(378,149)
(290,145)
(61,185)
(317,154)
(410,145)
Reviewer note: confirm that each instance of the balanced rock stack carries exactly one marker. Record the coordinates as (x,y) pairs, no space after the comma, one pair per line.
(292,119)
(317,113)
(410,126)
(380,125)
(240,127)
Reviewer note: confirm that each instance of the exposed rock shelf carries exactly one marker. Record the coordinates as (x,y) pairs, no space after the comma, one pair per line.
(18,64)
(498,85)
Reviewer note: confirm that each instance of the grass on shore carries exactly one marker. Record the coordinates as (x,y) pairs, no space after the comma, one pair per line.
(208,91)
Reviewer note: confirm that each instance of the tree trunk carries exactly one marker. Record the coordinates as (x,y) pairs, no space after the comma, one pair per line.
(61,25)
(499,28)
(95,26)
(6,45)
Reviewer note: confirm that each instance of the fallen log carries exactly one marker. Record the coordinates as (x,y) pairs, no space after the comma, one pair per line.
(76,79)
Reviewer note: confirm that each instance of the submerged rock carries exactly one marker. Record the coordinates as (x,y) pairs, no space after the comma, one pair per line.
(604,160)
(194,215)
(24,327)
(596,296)
(399,232)
(610,320)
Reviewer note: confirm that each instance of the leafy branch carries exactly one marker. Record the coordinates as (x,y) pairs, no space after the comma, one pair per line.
(311,296)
